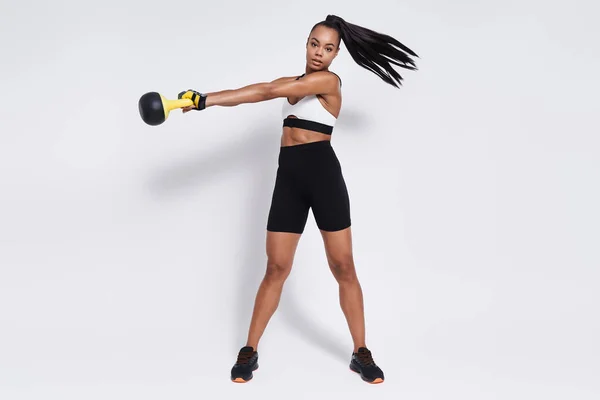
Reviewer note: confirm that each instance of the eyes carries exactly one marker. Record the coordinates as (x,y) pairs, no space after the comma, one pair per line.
(329,48)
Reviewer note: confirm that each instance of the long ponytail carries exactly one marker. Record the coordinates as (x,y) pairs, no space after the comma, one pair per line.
(373,50)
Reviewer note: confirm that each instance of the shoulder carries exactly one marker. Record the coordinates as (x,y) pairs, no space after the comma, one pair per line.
(324,78)
(284,79)
(314,83)
(337,76)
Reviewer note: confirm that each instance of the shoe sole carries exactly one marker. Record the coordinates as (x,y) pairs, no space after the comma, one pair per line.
(241,380)
(373,382)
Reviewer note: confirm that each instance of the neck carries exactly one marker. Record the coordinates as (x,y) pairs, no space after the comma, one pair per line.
(308,70)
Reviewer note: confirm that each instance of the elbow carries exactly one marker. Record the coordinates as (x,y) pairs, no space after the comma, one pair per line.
(268,91)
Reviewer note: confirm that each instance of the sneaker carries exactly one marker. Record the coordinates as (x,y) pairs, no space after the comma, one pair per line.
(247,361)
(362,363)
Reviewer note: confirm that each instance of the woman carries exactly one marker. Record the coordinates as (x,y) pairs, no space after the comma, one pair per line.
(309,175)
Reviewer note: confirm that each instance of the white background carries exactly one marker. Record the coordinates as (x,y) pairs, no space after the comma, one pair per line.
(130,255)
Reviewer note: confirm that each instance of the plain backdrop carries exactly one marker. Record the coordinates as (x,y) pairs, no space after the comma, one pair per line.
(130,255)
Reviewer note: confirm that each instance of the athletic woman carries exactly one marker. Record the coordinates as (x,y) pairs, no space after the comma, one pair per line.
(309,175)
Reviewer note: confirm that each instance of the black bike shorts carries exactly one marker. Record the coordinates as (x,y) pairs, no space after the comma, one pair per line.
(309,176)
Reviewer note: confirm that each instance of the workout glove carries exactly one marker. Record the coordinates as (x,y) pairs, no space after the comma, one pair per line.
(199,99)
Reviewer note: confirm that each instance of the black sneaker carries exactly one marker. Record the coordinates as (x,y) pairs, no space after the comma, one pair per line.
(247,361)
(362,363)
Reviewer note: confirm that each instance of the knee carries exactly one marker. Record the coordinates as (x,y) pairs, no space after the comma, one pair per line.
(343,269)
(277,271)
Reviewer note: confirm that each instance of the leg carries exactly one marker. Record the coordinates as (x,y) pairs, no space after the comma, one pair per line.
(331,208)
(281,248)
(287,218)
(286,222)
(338,248)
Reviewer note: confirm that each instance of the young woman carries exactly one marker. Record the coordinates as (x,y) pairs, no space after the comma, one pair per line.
(309,175)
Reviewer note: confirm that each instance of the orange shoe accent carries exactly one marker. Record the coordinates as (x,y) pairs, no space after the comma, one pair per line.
(239,380)
(376,381)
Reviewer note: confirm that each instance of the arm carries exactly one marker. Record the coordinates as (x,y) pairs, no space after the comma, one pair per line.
(321,82)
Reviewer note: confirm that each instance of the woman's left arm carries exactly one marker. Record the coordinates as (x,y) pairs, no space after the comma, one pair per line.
(322,82)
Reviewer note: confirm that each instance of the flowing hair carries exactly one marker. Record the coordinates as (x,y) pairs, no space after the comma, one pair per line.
(373,50)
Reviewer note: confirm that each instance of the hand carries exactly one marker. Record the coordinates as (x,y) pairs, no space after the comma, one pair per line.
(199,99)
(188,108)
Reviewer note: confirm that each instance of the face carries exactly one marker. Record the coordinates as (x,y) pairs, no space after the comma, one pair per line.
(322,47)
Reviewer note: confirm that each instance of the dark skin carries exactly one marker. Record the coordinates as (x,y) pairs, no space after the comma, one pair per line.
(321,49)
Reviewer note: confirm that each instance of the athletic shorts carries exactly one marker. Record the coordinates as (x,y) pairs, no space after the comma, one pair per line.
(309,176)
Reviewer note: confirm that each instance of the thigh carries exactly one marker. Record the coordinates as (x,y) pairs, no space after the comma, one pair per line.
(281,248)
(289,205)
(338,247)
(330,201)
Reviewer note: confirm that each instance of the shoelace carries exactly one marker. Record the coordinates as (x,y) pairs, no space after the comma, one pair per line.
(365,358)
(244,357)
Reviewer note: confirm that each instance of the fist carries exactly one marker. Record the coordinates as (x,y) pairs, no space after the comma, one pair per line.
(199,99)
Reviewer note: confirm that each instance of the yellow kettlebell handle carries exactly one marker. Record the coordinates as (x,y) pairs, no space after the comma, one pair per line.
(170,105)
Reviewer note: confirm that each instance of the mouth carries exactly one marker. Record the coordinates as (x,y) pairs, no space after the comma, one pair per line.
(316,62)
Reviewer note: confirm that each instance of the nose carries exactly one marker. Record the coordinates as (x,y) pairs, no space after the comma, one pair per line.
(319,52)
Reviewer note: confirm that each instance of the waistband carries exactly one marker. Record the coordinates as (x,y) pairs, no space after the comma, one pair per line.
(306,146)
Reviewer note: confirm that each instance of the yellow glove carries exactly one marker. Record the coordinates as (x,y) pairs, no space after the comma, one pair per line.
(199,99)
